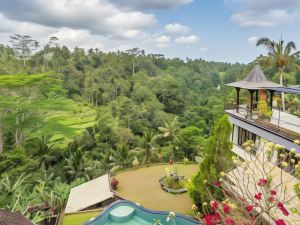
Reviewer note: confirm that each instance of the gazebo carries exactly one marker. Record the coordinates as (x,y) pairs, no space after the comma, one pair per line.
(255,82)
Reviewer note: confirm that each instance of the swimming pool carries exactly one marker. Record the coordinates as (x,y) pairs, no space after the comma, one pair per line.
(129,213)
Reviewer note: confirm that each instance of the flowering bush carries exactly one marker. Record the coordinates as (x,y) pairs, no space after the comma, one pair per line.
(256,192)
(114,183)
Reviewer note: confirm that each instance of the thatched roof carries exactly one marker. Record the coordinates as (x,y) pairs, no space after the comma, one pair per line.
(89,194)
(255,80)
(13,218)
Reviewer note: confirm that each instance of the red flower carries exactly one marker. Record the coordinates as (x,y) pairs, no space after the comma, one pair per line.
(226,208)
(273,192)
(262,182)
(280,222)
(217,184)
(211,219)
(214,205)
(229,221)
(282,208)
(258,196)
(271,199)
(249,208)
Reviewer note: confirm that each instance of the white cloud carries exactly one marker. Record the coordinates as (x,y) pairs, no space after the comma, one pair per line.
(252,39)
(187,39)
(163,41)
(151,4)
(203,49)
(268,19)
(264,13)
(98,16)
(174,28)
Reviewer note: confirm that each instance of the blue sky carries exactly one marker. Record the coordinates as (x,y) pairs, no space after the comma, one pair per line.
(219,30)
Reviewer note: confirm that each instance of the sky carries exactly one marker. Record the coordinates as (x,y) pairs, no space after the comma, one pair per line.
(215,30)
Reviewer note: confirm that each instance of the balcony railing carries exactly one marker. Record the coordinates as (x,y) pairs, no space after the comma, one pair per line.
(282,123)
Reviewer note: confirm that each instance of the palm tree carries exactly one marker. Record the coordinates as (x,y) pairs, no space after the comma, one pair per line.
(122,157)
(168,132)
(77,165)
(43,149)
(148,151)
(283,55)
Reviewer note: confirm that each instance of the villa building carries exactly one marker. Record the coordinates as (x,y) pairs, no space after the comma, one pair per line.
(252,120)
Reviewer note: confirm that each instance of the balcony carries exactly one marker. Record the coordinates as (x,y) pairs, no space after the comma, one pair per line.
(281,123)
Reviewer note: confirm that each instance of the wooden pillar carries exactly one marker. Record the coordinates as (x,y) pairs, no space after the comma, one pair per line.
(251,101)
(237,99)
(271,99)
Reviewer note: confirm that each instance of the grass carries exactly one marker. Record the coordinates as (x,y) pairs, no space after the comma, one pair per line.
(142,186)
(79,218)
(58,115)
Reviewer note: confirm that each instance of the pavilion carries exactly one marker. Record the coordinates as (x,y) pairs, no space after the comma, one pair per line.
(255,82)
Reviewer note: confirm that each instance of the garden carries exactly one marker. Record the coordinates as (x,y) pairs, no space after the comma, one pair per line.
(142,186)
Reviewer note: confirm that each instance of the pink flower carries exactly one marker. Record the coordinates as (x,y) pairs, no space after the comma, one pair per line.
(271,199)
(217,184)
(280,222)
(214,205)
(226,208)
(273,192)
(229,221)
(211,219)
(249,208)
(262,182)
(282,208)
(258,196)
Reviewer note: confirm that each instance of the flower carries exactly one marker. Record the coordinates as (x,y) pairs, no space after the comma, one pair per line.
(271,199)
(249,208)
(204,203)
(280,222)
(211,219)
(214,205)
(258,196)
(273,192)
(262,182)
(217,183)
(229,221)
(205,181)
(293,161)
(222,174)
(282,155)
(279,147)
(297,155)
(194,207)
(171,216)
(284,164)
(293,150)
(297,142)
(226,208)
(282,208)
(248,148)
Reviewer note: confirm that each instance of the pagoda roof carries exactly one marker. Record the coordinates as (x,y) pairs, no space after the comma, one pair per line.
(255,80)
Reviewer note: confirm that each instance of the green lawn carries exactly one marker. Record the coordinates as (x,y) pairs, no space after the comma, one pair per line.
(79,218)
(142,186)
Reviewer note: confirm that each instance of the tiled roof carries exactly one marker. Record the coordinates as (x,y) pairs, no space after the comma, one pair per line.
(13,218)
(255,80)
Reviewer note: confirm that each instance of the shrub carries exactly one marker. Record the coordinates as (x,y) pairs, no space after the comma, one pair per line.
(114,183)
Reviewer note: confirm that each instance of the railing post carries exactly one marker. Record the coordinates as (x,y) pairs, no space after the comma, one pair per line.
(237,99)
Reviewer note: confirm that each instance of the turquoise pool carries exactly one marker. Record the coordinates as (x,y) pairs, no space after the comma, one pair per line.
(129,213)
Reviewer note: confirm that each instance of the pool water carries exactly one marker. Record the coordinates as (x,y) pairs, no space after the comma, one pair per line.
(129,213)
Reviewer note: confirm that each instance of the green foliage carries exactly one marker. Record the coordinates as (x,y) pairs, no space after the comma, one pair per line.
(263,111)
(216,159)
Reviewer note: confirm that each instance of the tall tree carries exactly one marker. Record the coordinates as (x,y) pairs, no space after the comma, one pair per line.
(283,55)
(23,46)
(147,152)
(134,52)
(216,159)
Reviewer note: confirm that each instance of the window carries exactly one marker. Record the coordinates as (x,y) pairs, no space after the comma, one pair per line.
(245,135)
